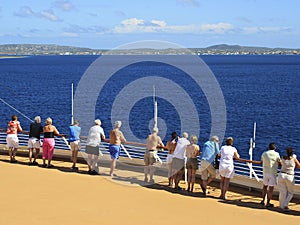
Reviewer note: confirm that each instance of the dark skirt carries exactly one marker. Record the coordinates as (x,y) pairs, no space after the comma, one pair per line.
(92,150)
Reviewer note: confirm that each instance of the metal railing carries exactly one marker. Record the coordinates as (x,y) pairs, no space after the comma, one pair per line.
(137,153)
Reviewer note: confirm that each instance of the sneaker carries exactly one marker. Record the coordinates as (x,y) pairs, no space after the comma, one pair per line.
(35,163)
(94,172)
(270,205)
(50,166)
(262,202)
(151,181)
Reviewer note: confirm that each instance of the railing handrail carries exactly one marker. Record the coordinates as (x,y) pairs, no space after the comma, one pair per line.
(137,152)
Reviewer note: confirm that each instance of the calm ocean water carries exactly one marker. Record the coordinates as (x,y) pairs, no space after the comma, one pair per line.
(264,89)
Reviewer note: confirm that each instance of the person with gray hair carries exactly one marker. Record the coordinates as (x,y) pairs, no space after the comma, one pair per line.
(150,157)
(34,141)
(179,159)
(116,138)
(208,173)
(96,134)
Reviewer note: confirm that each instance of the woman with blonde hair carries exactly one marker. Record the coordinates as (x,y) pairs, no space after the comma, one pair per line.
(48,143)
(192,151)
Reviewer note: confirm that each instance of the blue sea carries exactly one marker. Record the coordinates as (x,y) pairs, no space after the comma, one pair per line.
(257,88)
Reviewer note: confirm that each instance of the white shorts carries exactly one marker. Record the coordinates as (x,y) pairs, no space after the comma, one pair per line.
(12,141)
(34,143)
(269,180)
(226,171)
(75,145)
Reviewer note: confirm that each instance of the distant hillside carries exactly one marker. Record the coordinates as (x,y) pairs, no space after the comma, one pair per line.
(44,49)
(50,49)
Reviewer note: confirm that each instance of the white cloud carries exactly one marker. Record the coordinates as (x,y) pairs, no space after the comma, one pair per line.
(193,3)
(49,15)
(69,34)
(64,5)
(26,11)
(135,25)
(254,30)
(216,27)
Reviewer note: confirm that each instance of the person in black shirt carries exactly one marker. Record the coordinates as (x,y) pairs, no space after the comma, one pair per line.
(36,129)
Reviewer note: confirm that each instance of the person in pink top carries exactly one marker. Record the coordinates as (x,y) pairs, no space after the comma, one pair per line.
(12,137)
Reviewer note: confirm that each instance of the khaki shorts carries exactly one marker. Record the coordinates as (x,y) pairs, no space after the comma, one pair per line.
(207,170)
(150,158)
(177,164)
(75,145)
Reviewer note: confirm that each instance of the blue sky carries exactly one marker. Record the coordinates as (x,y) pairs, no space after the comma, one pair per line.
(189,23)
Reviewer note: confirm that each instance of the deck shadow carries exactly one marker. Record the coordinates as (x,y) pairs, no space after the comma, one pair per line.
(257,205)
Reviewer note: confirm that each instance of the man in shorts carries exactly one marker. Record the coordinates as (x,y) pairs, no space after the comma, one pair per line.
(208,172)
(270,160)
(179,159)
(153,142)
(74,140)
(36,129)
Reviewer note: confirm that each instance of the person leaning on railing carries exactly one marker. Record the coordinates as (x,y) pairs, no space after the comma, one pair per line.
(150,157)
(48,143)
(286,178)
(116,138)
(12,140)
(226,168)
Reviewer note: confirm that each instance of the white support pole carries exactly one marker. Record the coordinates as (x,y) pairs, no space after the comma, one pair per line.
(155,109)
(72,104)
(250,154)
(254,134)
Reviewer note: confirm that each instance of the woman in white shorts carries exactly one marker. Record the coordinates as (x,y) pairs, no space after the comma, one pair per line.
(226,168)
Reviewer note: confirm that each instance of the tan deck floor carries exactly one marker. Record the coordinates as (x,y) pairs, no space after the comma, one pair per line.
(35,195)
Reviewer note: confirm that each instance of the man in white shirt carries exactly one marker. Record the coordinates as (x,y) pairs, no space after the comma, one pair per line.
(179,159)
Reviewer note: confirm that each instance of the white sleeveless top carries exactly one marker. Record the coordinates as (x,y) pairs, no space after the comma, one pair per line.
(288,166)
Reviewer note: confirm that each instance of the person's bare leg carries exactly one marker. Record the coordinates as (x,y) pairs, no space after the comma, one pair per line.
(89,161)
(10,150)
(14,153)
(270,194)
(30,155)
(113,166)
(264,193)
(222,186)
(37,151)
(94,162)
(74,158)
(151,172)
(193,179)
(189,179)
(146,172)
(226,187)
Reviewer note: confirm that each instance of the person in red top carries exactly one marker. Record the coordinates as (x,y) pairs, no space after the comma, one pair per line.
(12,137)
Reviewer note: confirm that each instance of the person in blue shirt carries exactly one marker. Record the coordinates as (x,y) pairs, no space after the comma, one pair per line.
(74,140)
(208,172)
